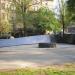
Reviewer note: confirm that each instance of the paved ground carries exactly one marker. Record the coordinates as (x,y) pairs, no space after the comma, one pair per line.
(27,56)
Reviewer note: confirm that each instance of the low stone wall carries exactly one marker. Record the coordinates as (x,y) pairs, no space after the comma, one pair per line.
(25,40)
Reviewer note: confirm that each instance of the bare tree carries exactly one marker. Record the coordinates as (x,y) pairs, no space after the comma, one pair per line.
(62,14)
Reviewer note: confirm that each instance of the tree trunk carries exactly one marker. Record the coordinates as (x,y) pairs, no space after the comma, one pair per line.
(23,16)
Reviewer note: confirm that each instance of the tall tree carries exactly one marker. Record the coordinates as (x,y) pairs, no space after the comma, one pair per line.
(71,9)
(5,27)
(21,8)
(43,16)
(46,20)
(63,14)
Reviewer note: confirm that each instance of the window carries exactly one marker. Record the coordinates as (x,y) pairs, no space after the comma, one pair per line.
(3,15)
(3,5)
(3,1)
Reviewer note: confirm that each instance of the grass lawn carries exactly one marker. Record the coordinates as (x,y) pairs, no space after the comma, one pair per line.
(68,69)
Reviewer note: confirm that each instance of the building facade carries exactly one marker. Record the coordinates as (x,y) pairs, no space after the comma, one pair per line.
(6,11)
(5,27)
(36,4)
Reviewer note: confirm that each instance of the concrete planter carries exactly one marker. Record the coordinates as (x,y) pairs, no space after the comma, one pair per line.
(47,45)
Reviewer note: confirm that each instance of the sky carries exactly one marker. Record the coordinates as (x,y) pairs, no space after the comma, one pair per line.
(56,3)
(56,6)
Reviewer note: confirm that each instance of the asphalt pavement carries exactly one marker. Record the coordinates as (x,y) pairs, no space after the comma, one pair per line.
(32,56)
